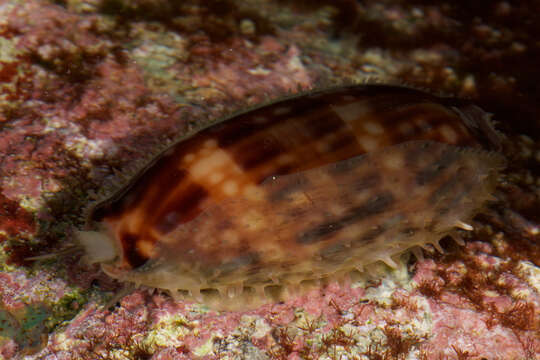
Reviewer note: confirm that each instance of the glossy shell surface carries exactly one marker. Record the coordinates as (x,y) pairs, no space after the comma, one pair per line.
(305,188)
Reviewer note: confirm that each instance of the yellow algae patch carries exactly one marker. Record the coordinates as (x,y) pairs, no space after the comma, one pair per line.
(169,331)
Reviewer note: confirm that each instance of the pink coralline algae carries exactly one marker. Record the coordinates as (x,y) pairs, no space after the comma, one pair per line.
(89,88)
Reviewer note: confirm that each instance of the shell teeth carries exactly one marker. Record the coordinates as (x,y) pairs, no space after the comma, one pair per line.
(235,290)
(483,177)
(388,261)
(259,291)
(437,246)
(196,294)
(222,291)
(294,288)
(176,295)
(427,247)
(345,280)
(458,239)
(372,271)
(417,252)
(464,226)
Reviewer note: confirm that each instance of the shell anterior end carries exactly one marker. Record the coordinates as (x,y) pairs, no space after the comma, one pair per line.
(98,246)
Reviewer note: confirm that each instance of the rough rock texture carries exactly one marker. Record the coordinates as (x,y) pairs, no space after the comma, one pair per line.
(87,88)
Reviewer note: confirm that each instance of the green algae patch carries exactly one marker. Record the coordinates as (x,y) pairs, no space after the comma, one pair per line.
(25,326)
(8,324)
(4,266)
(66,309)
(30,325)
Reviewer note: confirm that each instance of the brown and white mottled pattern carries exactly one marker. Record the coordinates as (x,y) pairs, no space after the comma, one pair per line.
(309,187)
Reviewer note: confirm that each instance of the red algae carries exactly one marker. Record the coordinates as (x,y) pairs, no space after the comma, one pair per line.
(13,218)
(482,294)
(7,71)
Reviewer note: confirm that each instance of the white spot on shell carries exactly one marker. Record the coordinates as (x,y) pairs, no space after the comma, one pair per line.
(146,248)
(253,220)
(448,133)
(373,128)
(352,231)
(369,143)
(189,158)
(230,188)
(394,161)
(322,147)
(352,111)
(362,196)
(216,159)
(210,143)
(215,177)
(337,210)
(298,198)
(323,144)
